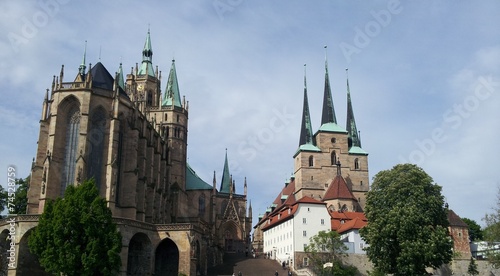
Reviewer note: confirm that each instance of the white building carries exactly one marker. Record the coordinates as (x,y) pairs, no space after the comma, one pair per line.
(288,230)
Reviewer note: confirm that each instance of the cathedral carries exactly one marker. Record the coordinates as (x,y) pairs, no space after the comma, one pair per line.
(131,138)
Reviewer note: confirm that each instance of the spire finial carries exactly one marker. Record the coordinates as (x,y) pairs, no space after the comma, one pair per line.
(328,113)
(306,136)
(82,67)
(100,49)
(305,73)
(326,58)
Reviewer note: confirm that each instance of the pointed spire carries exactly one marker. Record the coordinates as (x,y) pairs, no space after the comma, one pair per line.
(306,134)
(121,81)
(354,140)
(147,58)
(214,183)
(172,95)
(82,67)
(225,185)
(245,187)
(45,105)
(328,115)
(61,74)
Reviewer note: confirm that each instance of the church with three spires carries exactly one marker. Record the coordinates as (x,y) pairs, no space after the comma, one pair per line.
(327,188)
(131,138)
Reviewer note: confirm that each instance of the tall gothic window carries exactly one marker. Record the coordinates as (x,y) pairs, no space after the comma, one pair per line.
(201,205)
(311,161)
(95,141)
(356,164)
(71,147)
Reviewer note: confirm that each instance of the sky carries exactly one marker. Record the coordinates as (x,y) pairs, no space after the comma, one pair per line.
(424,80)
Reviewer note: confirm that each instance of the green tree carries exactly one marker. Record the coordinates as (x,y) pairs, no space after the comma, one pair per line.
(475,232)
(17,203)
(407,228)
(3,199)
(76,235)
(326,247)
(472,269)
(492,233)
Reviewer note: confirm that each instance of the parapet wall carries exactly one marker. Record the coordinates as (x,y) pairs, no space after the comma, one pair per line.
(456,267)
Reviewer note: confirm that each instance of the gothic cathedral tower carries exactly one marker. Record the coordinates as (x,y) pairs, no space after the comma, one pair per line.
(330,153)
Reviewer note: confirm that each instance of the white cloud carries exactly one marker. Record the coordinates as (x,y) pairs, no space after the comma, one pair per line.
(237,70)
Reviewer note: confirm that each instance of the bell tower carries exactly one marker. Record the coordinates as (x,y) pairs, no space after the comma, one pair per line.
(143,83)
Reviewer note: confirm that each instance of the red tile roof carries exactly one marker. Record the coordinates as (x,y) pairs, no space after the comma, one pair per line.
(287,211)
(455,220)
(307,199)
(338,190)
(279,217)
(355,223)
(345,221)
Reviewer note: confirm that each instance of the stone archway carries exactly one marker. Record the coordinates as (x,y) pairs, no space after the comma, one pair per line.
(27,263)
(4,246)
(167,258)
(139,255)
(232,237)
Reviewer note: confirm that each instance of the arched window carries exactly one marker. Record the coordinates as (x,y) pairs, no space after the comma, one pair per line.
(95,140)
(223,207)
(71,146)
(201,205)
(311,161)
(333,158)
(356,164)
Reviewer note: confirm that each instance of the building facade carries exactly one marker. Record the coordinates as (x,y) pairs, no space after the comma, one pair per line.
(131,137)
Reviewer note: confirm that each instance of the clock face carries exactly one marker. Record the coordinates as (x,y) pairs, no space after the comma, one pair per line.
(140,87)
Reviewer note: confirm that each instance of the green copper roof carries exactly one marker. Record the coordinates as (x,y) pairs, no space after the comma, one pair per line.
(357,150)
(172,95)
(194,182)
(225,184)
(147,59)
(307,147)
(332,127)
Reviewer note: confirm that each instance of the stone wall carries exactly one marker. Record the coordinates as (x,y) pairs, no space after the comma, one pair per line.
(456,267)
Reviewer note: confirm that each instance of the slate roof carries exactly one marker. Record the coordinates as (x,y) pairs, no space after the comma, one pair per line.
(101,78)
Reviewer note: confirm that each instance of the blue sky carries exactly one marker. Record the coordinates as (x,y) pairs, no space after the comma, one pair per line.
(424,80)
